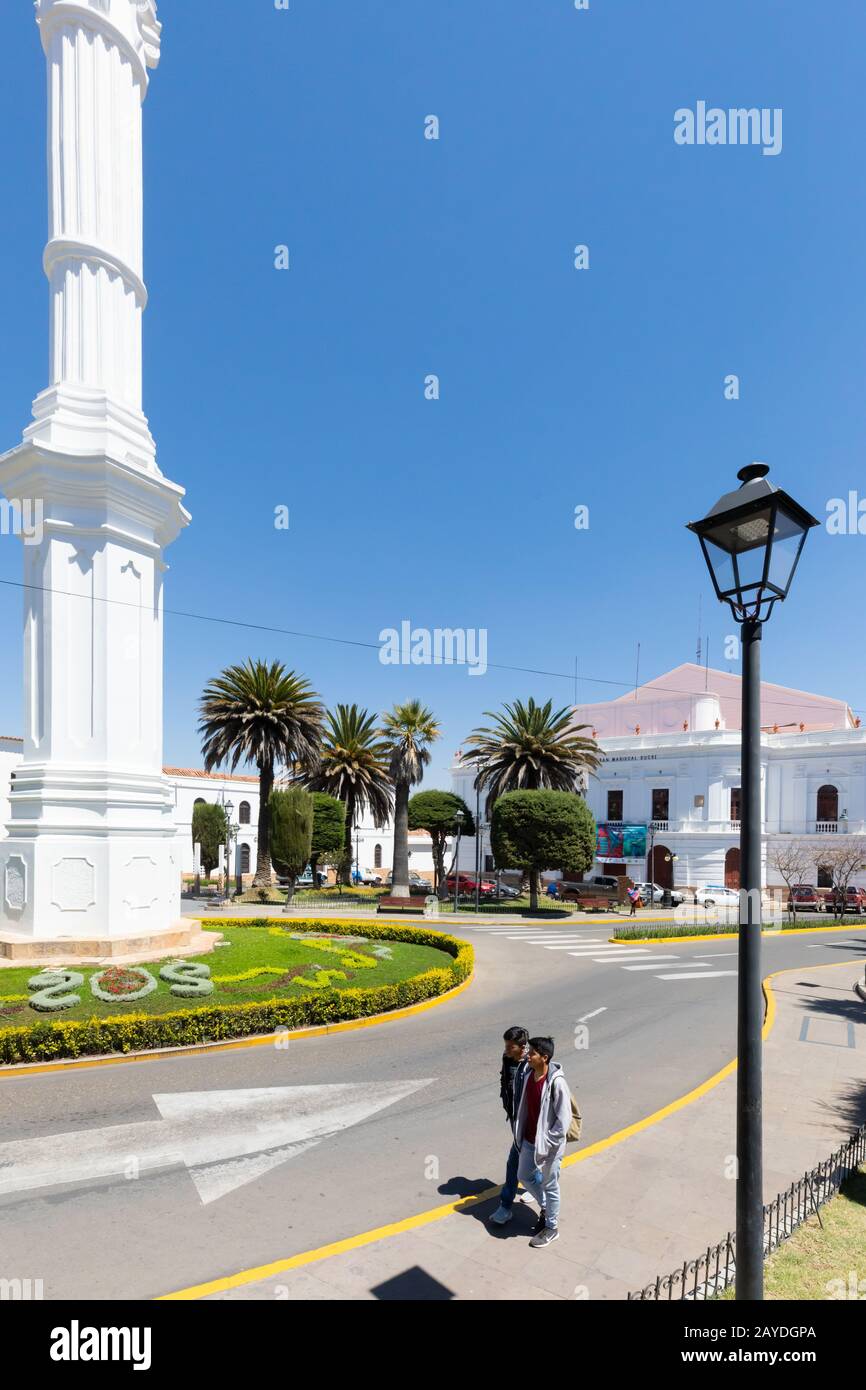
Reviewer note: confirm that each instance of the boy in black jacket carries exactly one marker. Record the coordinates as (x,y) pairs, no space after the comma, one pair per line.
(515,1069)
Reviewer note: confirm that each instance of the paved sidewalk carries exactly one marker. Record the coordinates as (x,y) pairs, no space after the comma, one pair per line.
(640,1207)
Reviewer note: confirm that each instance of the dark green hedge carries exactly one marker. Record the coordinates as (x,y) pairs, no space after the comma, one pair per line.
(137,1032)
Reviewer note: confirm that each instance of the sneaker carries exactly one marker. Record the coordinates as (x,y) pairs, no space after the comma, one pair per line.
(501,1216)
(545,1237)
(523,1197)
(540,1224)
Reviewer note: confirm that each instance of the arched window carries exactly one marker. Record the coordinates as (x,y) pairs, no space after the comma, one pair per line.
(245,858)
(377,857)
(827,807)
(199,801)
(244,813)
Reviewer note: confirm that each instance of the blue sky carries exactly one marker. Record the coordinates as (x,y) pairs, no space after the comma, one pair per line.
(558,388)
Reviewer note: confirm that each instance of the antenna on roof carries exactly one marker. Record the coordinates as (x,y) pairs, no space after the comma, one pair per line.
(637,671)
(698,657)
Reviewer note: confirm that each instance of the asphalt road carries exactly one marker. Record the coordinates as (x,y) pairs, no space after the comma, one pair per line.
(653,1034)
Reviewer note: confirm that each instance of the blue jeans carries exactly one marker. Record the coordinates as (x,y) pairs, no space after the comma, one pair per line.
(542,1183)
(509,1190)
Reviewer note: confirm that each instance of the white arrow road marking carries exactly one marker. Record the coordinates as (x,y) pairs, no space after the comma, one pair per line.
(602,1010)
(224,1138)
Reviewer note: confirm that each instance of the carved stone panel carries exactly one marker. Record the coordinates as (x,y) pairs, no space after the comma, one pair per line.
(74,885)
(15,886)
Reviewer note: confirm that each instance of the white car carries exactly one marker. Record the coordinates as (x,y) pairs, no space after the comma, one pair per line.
(716,895)
(658,894)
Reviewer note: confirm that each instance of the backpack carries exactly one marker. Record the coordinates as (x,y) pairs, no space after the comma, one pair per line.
(572,1134)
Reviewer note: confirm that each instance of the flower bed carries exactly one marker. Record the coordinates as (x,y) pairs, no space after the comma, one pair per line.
(326,999)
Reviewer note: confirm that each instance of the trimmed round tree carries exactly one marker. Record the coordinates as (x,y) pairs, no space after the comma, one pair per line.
(436,812)
(329,830)
(542,830)
(291,818)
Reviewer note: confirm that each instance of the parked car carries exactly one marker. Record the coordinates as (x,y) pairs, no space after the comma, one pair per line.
(855,900)
(596,893)
(505,890)
(419,887)
(306,879)
(371,878)
(716,895)
(806,898)
(465,884)
(651,892)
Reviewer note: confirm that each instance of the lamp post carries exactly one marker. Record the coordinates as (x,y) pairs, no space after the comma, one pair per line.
(752,540)
(459,819)
(477,849)
(229,810)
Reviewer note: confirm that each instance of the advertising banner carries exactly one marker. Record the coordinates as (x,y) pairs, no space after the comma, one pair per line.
(620,842)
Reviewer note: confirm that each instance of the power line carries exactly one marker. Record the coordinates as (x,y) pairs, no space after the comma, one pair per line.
(376,646)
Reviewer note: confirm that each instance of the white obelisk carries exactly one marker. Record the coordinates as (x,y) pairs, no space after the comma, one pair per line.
(91,855)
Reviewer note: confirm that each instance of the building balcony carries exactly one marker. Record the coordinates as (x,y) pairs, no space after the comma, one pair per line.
(732,827)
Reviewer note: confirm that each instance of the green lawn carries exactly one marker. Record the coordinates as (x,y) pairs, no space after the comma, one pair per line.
(258,963)
(819,1263)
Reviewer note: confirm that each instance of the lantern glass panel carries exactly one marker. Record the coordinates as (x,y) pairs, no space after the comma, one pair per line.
(722,566)
(787,544)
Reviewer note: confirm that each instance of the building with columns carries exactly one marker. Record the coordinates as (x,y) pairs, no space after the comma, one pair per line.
(672,769)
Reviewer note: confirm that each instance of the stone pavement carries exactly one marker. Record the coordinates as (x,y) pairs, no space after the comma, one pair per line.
(639,1207)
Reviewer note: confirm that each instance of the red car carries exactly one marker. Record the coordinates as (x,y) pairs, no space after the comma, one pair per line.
(855,900)
(466,885)
(806,898)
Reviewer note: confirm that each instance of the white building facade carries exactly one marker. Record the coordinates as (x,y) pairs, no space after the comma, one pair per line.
(672,770)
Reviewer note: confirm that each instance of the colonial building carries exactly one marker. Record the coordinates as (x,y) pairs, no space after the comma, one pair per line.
(667,796)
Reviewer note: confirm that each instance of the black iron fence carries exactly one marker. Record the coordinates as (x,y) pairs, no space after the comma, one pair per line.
(713,1272)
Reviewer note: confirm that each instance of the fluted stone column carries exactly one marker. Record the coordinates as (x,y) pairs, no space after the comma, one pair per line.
(91,852)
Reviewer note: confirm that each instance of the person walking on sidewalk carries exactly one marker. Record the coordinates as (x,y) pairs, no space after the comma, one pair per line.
(634,899)
(540,1135)
(515,1070)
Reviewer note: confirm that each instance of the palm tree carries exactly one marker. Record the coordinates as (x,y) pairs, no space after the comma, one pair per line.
(352,765)
(531,748)
(409,729)
(260,712)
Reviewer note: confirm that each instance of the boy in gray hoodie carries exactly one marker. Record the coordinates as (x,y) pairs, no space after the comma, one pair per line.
(540,1128)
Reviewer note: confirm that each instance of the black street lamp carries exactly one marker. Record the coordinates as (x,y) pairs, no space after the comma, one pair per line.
(752,540)
(459,819)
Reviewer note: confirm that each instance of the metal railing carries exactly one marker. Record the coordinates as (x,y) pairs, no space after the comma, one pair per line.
(714,1271)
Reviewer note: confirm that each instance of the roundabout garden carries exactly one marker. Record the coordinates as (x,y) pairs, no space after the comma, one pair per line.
(262,976)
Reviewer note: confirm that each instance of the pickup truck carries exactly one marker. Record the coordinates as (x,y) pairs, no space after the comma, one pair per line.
(600,893)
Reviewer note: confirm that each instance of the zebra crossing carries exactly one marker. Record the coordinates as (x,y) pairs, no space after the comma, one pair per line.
(598,950)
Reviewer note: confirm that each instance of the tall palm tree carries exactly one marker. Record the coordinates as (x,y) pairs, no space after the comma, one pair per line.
(260,713)
(409,730)
(353,766)
(531,747)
